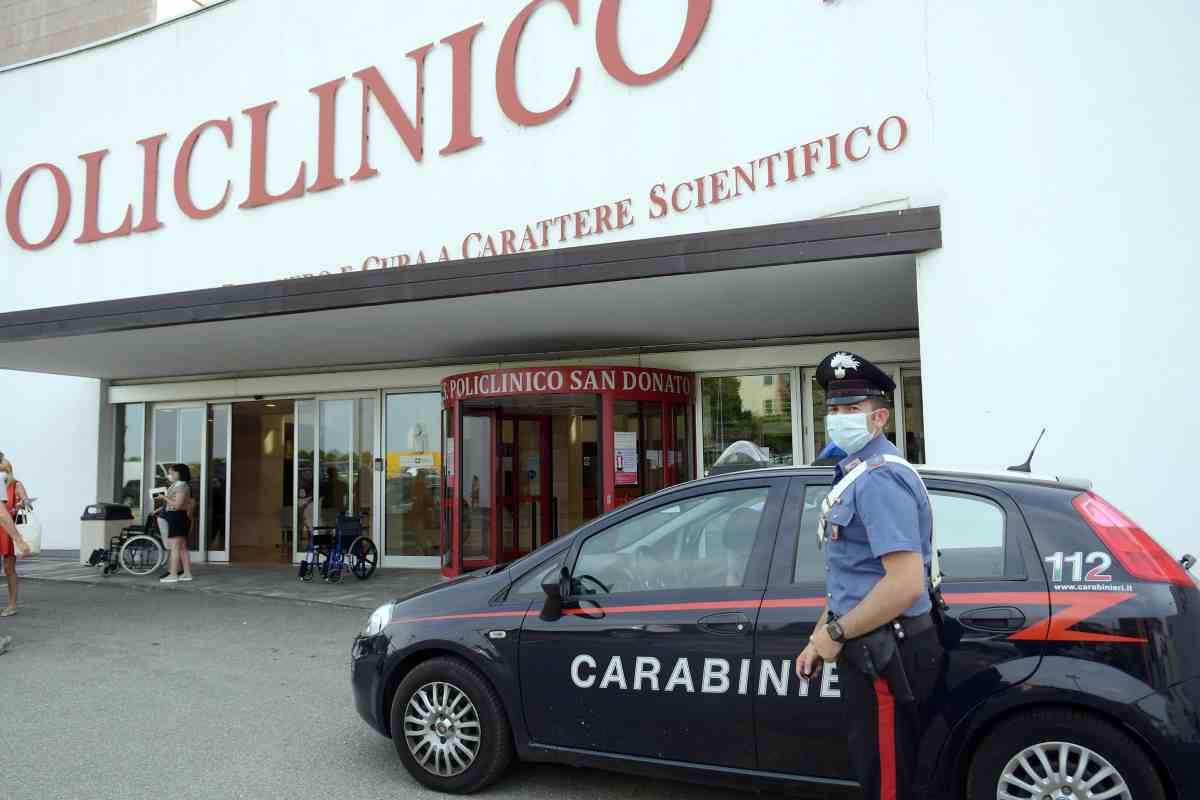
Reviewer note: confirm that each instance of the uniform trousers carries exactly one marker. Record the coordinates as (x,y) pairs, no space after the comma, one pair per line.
(884,733)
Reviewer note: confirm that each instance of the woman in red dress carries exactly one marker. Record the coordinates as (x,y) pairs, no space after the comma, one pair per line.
(14,496)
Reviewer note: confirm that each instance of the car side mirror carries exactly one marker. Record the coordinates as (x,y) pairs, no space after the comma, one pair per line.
(556,585)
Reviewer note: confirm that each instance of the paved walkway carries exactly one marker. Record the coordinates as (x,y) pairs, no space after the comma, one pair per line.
(278,581)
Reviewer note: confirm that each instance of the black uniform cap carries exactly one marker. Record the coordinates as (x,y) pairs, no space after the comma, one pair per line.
(848,378)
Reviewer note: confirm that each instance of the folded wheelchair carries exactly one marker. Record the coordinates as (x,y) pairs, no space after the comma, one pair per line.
(137,549)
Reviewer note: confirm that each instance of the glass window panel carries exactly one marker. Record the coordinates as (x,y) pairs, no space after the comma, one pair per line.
(529,471)
(810,565)
(702,542)
(652,421)
(412,495)
(364,463)
(166,443)
(192,423)
(682,454)
(529,518)
(306,438)
(531,583)
(334,458)
(914,419)
(738,423)
(970,534)
(131,437)
(218,474)
(477,501)
(448,470)
(506,454)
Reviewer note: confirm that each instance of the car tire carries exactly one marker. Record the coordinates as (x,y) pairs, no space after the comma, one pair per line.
(453,678)
(1051,730)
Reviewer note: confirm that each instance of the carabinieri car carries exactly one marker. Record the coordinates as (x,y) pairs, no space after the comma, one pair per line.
(660,639)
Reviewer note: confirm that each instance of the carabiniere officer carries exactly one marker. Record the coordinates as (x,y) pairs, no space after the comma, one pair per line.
(877,623)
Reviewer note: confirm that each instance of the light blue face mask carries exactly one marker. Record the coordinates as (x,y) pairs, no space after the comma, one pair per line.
(849,431)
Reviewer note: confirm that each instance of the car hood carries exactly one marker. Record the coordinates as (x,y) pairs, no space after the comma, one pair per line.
(485,581)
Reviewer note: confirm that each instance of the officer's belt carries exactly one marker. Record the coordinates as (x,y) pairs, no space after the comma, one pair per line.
(835,496)
(912,626)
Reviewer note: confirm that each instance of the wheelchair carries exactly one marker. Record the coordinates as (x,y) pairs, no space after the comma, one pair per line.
(333,548)
(137,549)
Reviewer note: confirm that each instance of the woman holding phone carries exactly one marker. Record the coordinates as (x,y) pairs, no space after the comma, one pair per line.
(174,523)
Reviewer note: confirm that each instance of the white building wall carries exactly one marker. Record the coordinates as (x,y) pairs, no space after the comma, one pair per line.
(1065,293)
(49,429)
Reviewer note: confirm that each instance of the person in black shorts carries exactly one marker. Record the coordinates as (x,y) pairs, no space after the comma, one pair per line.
(175,522)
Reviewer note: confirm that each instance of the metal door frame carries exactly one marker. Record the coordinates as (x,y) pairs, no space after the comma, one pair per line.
(218,555)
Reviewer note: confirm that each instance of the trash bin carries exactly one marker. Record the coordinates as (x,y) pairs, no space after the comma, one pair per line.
(99,523)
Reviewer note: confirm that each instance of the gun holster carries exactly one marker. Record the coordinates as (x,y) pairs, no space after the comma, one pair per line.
(877,655)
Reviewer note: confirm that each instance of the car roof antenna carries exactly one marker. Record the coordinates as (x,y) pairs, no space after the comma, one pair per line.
(1025,467)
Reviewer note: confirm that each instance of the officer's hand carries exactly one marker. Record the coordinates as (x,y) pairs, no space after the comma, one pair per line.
(808,664)
(826,648)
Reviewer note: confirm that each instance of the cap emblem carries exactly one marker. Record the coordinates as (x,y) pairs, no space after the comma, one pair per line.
(840,362)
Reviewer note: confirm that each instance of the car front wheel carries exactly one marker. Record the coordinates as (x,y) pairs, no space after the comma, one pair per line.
(449,727)
(1061,754)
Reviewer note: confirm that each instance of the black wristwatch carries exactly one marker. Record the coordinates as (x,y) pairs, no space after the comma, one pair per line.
(834,629)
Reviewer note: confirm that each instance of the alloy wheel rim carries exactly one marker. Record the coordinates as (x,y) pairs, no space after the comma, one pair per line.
(442,729)
(1061,771)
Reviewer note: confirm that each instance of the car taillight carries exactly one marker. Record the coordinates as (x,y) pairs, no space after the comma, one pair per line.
(1139,554)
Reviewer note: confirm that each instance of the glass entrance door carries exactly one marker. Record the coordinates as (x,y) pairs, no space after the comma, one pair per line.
(179,436)
(477,492)
(523,485)
(335,464)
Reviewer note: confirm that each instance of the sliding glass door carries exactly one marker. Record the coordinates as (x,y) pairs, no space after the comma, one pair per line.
(179,436)
(198,437)
(336,466)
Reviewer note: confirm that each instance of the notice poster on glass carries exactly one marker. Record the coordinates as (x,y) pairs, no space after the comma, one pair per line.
(625,448)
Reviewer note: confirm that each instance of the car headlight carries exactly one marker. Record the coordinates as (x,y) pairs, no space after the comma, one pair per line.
(378,620)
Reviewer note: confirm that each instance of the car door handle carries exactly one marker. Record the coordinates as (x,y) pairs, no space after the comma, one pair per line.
(726,623)
(994,619)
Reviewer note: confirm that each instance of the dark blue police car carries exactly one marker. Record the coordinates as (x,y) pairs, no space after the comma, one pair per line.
(660,639)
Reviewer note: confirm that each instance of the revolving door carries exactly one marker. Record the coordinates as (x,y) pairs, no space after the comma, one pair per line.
(530,454)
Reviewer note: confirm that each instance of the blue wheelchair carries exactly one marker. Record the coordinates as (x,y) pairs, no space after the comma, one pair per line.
(344,546)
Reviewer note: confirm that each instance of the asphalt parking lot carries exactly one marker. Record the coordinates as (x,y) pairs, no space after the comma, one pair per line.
(117,692)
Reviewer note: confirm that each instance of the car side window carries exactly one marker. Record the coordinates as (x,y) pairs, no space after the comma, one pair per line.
(701,542)
(969,529)
(810,564)
(531,582)
(970,535)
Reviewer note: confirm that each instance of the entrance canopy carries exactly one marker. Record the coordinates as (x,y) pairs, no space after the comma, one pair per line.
(775,281)
(535,452)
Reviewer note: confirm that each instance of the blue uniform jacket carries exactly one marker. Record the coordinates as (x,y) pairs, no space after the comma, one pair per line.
(885,511)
